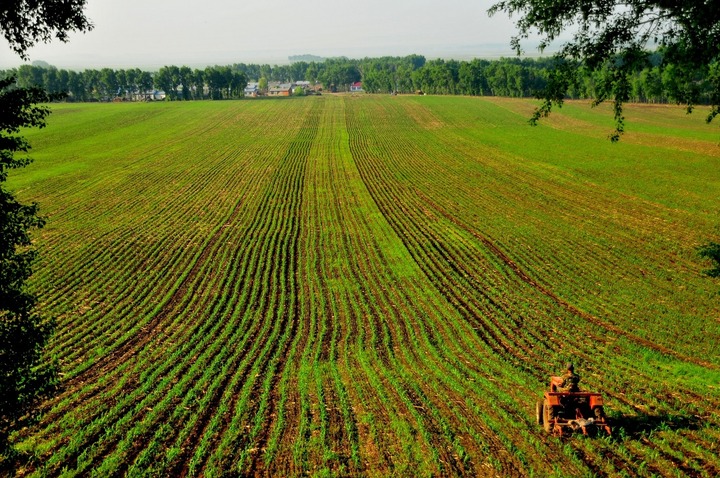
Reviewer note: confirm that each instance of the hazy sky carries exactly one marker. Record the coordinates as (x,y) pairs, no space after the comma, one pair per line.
(152,33)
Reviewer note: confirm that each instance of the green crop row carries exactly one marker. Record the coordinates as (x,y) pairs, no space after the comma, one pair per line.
(370,286)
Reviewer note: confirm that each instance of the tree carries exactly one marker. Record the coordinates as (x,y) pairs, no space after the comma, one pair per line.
(312,72)
(167,80)
(297,70)
(263,84)
(215,82)
(185,76)
(131,82)
(76,86)
(471,77)
(613,36)
(91,80)
(340,73)
(144,81)
(25,22)
(28,75)
(197,80)
(238,82)
(108,83)
(24,376)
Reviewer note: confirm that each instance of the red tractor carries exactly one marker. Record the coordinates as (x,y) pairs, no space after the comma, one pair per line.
(561,411)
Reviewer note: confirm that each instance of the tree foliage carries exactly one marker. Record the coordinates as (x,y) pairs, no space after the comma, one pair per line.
(613,36)
(514,77)
(24,375)
(25,22)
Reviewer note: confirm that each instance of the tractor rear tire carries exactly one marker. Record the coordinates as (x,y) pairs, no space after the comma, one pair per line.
(547,425)
(539,412)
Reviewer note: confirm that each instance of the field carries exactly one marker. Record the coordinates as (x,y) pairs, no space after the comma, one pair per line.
(373,286)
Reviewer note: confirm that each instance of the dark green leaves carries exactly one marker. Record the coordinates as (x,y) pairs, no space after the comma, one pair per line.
(24,375)
(25,22)
(613,36)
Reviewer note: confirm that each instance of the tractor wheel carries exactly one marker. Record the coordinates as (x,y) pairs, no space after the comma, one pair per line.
(539,412)
(547,417)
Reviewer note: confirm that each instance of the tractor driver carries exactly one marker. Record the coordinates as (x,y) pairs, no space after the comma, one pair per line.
(568,382)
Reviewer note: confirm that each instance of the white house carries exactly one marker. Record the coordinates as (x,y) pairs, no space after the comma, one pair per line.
(251,90)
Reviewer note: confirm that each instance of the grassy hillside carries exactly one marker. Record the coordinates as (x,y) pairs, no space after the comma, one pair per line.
(373,286)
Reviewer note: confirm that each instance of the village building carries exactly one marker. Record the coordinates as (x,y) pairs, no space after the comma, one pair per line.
(149,95)
(251,90)
(283,89)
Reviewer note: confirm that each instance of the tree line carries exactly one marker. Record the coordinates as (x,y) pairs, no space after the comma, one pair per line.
(178,83)
(657,82)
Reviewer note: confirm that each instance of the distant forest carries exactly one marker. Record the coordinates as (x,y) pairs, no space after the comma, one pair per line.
(513,77)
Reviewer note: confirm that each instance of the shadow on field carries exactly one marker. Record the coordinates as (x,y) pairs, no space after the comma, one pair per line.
(636,426)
